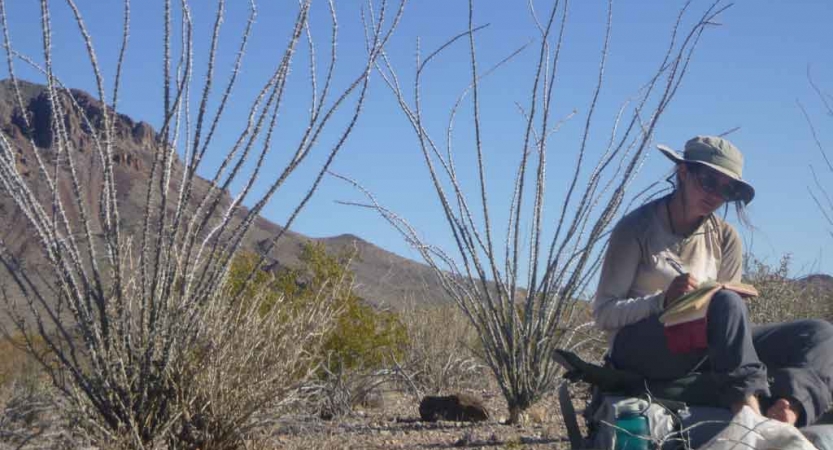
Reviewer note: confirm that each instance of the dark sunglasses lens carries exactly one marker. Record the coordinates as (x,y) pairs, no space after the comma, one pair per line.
(709,182)
(729,191)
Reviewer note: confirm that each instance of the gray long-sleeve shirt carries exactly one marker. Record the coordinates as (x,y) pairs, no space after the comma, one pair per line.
(636,273)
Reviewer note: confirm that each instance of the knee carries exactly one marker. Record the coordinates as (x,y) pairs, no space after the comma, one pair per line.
(818,331)
(727,304)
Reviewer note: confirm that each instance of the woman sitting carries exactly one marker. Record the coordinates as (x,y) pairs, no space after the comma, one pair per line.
(664,249)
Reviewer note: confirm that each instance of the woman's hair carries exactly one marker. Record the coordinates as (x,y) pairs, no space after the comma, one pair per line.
(740,207)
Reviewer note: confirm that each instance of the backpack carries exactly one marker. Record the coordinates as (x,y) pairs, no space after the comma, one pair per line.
(679,415)
(673,420)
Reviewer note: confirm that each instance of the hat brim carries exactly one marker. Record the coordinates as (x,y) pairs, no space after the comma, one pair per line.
(747,191)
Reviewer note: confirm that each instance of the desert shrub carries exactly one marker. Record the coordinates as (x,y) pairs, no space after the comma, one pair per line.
(361,341)
(363,336)
(442,350)
(783,297)
(251,355)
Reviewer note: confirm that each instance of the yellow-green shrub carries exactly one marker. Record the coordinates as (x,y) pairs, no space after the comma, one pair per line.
(363,335)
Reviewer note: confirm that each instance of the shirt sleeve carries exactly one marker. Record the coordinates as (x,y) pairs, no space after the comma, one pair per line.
(612,308)
(731,258)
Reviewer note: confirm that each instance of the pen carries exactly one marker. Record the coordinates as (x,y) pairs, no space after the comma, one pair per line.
(676,265)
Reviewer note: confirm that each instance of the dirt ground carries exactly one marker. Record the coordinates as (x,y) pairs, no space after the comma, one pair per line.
(391,423)
(395,424)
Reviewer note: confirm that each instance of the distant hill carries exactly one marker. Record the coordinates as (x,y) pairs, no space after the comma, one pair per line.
(818,281)
(382,277)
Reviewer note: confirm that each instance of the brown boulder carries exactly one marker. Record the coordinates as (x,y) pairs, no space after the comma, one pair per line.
(457,407)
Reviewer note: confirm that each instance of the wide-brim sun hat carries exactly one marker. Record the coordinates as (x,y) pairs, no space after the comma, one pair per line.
(718,154)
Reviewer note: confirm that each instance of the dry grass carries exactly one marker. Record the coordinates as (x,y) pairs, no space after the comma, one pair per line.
(782,297)
(443,350)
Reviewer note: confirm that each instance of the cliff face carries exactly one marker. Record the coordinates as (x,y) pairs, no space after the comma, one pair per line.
(76,115)
(382,277)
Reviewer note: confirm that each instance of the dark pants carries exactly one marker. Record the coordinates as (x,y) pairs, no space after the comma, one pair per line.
(787,360)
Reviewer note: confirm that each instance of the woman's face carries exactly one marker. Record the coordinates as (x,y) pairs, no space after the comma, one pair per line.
(705,189)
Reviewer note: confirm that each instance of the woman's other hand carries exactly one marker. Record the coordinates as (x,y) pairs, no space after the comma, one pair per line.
(679,287)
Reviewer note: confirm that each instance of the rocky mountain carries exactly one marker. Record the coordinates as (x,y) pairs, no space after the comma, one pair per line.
(382,277)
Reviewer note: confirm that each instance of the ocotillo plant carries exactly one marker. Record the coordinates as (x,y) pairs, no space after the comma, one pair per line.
(125,316)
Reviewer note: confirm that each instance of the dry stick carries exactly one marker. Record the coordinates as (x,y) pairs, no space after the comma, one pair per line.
(825,98)
(568,197)
(479,147)
(185,195)
(277,92)
(113,247)
(159,284)
(458,227)
(95,332)
(548,84)
(161,302)
(151,296)
(824,210)
(553,257)
(815,135)
(107,200)
(90,330)
(466,219)
(161,141)
(107,214)
(201,219)
(193,157)
(416,119)
(56,204)
(170,230)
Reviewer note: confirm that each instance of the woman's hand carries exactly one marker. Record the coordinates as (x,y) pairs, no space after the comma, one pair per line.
(679,287)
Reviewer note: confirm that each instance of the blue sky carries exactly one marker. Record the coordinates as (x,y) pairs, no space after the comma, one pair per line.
(748,73)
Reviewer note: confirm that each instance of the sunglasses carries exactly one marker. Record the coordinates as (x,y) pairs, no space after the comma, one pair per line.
(709,181)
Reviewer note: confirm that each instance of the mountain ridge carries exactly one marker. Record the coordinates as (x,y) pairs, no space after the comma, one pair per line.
(382,277)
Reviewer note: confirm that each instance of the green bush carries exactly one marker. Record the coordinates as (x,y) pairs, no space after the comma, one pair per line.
(363,336)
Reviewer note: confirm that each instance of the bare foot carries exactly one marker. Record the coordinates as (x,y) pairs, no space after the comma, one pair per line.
(784,411)
(750,401)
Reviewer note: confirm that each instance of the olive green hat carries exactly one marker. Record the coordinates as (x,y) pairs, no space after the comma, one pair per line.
(718,154)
